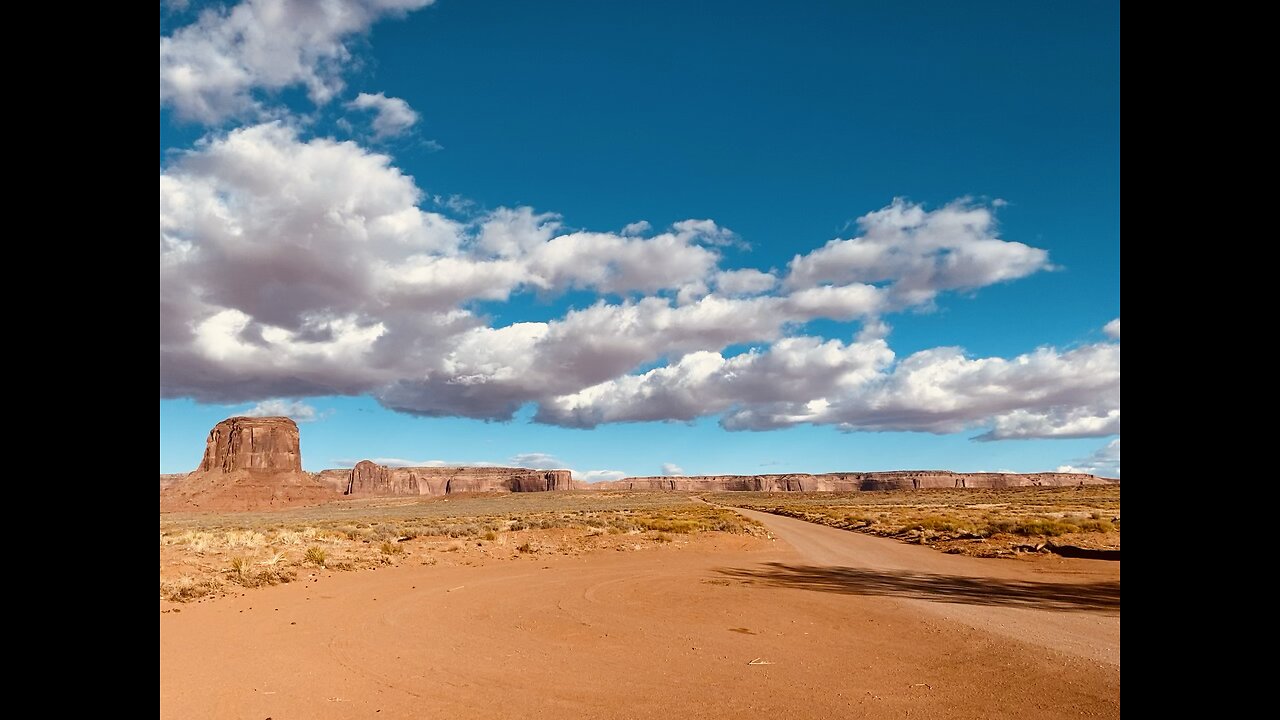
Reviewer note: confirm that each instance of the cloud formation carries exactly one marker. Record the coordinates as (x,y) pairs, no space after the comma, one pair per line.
(592,476)
(392,116)
(672,469)
(210,69)
(300,267)
(918,253)
(295,409)
(1112,329)
(537,461)
(1105,461)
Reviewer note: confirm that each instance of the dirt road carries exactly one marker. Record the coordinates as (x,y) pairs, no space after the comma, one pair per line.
(1000,596)
(842,625)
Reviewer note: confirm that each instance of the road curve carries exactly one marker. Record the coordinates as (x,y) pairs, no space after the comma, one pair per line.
(1071,606)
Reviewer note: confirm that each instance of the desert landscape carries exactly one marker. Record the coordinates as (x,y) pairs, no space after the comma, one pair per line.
(627,361)
(451,592)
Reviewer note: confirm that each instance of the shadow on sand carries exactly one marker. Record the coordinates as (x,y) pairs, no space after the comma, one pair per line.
(1059,597)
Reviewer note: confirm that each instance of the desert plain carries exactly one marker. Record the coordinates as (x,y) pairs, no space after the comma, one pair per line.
(549,600)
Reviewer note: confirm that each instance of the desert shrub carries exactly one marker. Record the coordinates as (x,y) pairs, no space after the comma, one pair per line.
(491,536)
(315,556)
(1096,525)
(186,589)
(1043,526)
(935,524)
(387,532)
(525,548)
(243,572)
(390,548)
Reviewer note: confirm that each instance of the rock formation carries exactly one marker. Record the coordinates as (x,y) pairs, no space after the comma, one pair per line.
(850,482)
(249,464)
(371,479)
(335,480)
(256,463)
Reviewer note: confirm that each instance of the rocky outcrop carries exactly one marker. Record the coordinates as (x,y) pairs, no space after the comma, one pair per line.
(249,464)
(265,444)
(542,481)
(851,482)
(371,479)
(335,480)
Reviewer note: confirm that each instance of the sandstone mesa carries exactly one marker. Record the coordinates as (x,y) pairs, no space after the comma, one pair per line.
(253,463)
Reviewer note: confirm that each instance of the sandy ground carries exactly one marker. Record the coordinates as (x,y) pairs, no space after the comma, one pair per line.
(849,626)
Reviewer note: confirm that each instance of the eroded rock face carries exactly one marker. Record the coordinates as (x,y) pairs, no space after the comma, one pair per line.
(851,482)
(260,444)
(371,479)
(335,480)
(249,464)
(542,481)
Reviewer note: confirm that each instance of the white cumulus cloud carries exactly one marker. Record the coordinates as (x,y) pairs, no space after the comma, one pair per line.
(917,253)
(392,116)
(1112,329)
(591,476)
(295,409)
(210,69)
(294,267)
(672,469)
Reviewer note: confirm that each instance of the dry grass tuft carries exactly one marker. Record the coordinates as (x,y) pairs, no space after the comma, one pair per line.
(187,588)
(244,573)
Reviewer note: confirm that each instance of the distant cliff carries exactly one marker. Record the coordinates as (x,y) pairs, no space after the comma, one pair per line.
(851,481)
(368,478)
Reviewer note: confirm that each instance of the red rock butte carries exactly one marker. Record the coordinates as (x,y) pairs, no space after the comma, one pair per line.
(249,463)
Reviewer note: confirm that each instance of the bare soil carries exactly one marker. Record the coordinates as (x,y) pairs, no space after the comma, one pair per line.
(817,623)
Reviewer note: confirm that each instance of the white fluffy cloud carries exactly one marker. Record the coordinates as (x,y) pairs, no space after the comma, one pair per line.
(747,281)
(1112,329)
(537,461)
(672,469)
(1105,461)
(210,69)
(918,253)
(392,116)
(591,476)
(296,267)
(858,386)
(295,409)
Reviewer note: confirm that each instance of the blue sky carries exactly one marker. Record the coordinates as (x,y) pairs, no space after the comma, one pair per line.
(423,209)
